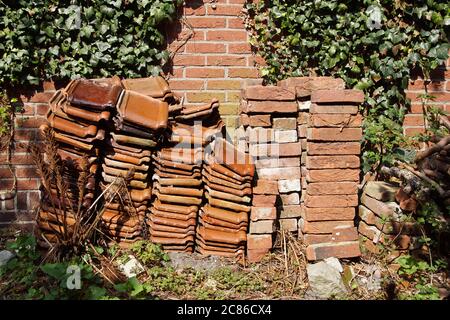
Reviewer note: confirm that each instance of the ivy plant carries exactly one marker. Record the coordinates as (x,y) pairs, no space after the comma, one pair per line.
(371,44)
(42,39)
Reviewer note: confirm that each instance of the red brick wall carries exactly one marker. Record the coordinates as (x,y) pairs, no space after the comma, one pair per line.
(211,58)
(439,87)
(217,60)
(20,207)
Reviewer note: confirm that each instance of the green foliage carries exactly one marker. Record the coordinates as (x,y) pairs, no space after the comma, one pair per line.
(339,38)
(149,253)
(430,214)
(6,109)
(41,39)
(48,281)
(419,272)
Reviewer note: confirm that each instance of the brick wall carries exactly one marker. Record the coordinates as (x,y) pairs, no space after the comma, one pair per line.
(439,87)
(216,61)
(304,135)
(19,208)
(211,58)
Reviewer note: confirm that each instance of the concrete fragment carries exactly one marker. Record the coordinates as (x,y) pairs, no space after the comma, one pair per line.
(5,256)
(325,281)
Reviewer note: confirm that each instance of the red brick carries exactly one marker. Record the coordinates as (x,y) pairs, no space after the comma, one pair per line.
(268,93)
(413,131)
(368,245)
(431,86)
(332,162)
(262,227)
(285,123)
(7,217)
(239,48)
(28,184)
(256,255)
(260,120)
(340,120)
(25,134)
(290,149)
(326,188)
(226,61)
(28,110)
(334,134)
(277,162)
(236,23)
(276,149)
(318,227)
(321,251)
(205,73)
(41,97)
(19,159)
(41,109)
(257,61)
(26,172)
(325,214)
(272,106)
(259,242)
(264,200)
(289,225)
(313,83)
(32,122)
(206,22)
(227,35)
(197,48)
(243,73)
(333,109)
(437,96)
(333,96)
(263,213)
(382,209)
(338,201)
(22,201)
(194,9)
(49,85)
(414,120)
(265,187)
(279,173)
(288,199)
(224,10)
(189,60)
(339,235)
(334,148)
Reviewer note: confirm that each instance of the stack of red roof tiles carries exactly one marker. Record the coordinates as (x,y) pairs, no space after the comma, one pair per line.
(147,152)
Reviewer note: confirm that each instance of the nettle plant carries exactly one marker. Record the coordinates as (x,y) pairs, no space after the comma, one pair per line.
(372,45)
(42,39)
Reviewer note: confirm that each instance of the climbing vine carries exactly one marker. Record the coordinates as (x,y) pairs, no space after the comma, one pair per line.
(41,39)
(372,45)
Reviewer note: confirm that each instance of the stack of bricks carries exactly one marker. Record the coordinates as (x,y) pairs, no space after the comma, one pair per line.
(332,163)
(305,137)
(383,228)
(269,131)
